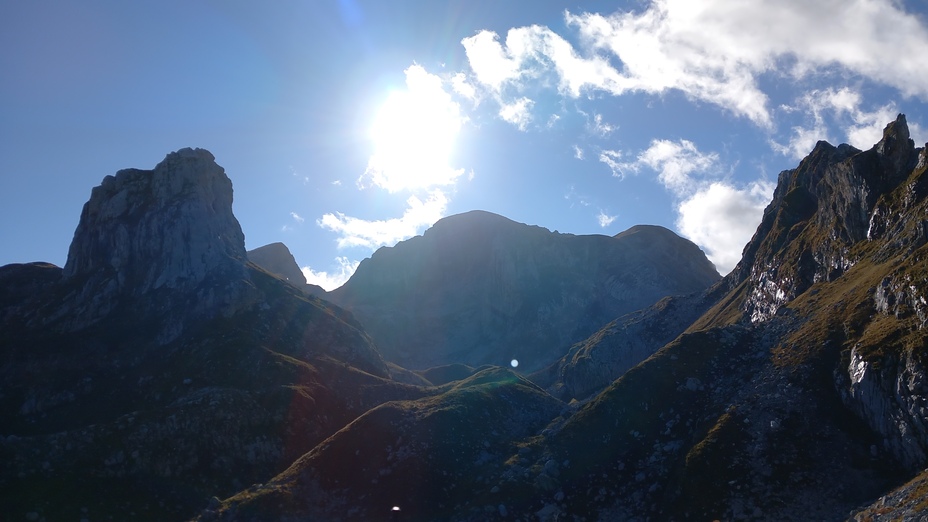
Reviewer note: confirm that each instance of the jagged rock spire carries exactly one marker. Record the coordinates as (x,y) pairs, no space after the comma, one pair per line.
(163,234)
(166,227)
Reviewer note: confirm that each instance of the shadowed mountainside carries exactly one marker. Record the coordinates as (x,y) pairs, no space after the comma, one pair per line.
(478,288)
(794,388)
(161,368)
(798,394)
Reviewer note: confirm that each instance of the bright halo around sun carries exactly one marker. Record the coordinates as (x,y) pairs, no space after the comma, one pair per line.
(414,134)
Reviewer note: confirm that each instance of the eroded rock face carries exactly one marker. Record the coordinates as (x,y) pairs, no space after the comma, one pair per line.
(160,366)
(892,397)
(158,234)
(829,199)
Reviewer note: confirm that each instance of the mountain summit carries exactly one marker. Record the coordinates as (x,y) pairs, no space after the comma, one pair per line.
(163,241)
(794,388)
(477,288)
(159,366)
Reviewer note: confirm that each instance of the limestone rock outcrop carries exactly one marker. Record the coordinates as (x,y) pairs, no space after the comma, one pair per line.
(154,237)
(159,366)
(831,199)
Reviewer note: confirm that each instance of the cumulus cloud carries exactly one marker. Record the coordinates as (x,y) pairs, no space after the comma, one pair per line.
(517,113)
(713,50)
(296,217)
(371,234)
(492,65)
(330,280)
(722,218)
(841,108)
(676,162)
(714,213)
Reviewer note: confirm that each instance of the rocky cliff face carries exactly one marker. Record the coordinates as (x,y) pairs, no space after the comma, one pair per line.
(477,288)
(796,392)
(820,210)
(792,389)
(592,364)
(159,366)
(151,237)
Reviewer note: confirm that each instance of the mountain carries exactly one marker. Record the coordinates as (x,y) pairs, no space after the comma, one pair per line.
(277,259)
(593,363)
(159,368)
(183,381)
(477,288)
(797,393)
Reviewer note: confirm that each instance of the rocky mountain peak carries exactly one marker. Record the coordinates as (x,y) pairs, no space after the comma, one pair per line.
(158,228)
(277,259)
(820,210)
(165,230)
(478,288)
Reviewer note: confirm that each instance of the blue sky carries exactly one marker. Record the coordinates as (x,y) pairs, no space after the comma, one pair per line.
(349,125)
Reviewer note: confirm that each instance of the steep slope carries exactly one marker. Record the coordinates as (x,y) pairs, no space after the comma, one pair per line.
(477,289)
(158,366)
(592,364)
(277,259)
(798,395)
(433,458)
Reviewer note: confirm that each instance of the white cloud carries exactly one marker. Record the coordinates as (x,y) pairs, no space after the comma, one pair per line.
(722,218)
(715,214)
(492,65)
(604,219)
(611,158)
(841,108)
(329,281)
(296,217)
(578,152)
(464,88)
(374,233)
(600,127)
(713,50)
(517,113)
(676,162)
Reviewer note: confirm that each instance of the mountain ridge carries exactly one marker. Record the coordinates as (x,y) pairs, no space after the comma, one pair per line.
(796,396)
(793,388)
(478,288)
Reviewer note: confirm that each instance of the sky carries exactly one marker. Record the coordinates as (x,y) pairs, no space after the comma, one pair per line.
(350,125)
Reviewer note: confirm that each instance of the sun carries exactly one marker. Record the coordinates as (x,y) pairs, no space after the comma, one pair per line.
(414,134)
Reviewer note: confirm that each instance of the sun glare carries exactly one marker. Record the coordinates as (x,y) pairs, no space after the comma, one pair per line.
(414,133)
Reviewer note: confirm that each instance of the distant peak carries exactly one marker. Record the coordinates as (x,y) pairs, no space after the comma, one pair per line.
(646,229)
(188,153)
(899,127)
(473,219)
(277,259)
